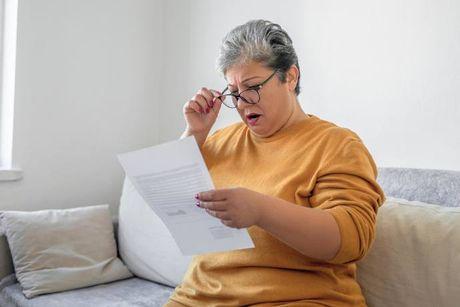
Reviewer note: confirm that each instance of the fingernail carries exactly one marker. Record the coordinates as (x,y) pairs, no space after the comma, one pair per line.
(197,196)
(197,204)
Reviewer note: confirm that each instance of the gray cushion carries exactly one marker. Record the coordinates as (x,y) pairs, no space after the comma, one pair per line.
(127,292)
(62,249)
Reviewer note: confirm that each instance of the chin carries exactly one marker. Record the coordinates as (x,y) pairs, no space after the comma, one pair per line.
(258,131)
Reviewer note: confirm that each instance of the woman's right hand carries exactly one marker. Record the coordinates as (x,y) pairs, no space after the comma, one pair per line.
(201,111)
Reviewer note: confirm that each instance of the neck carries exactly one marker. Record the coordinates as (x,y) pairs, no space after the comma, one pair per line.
(296,116)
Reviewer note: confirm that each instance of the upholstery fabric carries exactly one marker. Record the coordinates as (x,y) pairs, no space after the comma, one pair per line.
(62,249)
(415,258)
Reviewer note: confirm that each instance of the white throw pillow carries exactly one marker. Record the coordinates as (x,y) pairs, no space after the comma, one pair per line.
(415,258)
(57,250)
(145,244)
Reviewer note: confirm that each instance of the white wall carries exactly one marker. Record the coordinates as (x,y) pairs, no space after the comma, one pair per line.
(389,70)
(86,89)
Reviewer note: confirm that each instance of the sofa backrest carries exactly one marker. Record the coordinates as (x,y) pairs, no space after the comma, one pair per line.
(439,187)
(432,186)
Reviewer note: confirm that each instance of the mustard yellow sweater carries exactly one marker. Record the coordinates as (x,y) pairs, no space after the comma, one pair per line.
(312,163)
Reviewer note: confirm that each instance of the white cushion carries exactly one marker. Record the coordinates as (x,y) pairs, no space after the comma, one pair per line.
(57,250)
(415,258)
(145,244)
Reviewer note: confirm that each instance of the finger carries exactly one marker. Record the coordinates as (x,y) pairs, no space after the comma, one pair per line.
(212,195)
(201,100)
(193,105)
(228,223)
(216,97)
(216,102)
(222,215)
(213,205)
(207,94)
(216,105)
(215,93)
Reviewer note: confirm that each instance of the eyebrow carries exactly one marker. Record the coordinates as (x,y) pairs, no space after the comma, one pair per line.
(245,80)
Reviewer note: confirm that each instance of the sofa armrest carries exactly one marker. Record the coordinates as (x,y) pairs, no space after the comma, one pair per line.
(6,265)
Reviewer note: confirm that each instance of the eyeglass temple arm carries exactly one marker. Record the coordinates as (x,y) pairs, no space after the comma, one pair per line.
(223,91)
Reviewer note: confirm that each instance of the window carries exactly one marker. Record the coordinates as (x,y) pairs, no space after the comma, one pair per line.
(8,24)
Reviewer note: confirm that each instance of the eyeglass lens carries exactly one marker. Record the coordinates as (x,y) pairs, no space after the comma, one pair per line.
(249,96)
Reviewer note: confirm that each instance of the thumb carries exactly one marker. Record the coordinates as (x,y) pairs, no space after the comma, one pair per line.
(216,98)
(216,93)
(217,105)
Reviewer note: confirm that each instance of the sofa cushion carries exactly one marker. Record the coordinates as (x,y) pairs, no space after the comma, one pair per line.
(129,292)
(145,244)
(415,258)
(57,250)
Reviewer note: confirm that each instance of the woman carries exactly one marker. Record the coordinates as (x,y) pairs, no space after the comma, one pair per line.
(303,187)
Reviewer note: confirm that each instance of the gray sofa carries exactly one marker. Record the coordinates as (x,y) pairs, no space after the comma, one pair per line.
(431,186)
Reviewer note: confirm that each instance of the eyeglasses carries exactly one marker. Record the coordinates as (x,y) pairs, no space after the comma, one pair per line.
(250,95)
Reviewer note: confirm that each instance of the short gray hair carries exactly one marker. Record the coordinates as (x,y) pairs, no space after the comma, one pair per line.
(261,41)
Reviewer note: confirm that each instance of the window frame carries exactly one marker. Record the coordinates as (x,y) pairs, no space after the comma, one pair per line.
(8,34)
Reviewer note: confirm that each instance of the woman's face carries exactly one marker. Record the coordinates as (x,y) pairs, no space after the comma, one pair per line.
(277,99)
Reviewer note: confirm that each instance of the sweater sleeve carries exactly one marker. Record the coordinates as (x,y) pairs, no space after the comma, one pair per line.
(208,149)
(346,187)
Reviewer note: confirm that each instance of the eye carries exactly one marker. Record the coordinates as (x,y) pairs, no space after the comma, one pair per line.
(245,89)
(254,87)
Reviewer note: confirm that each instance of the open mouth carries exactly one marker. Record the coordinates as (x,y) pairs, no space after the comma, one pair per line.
(253,118)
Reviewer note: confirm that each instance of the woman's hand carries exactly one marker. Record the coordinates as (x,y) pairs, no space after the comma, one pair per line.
(201,111)
(235,207)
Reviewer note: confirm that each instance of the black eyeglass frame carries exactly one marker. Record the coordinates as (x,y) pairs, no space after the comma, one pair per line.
(256,88)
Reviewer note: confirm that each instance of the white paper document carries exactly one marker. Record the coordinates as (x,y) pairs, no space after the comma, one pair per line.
(168,176)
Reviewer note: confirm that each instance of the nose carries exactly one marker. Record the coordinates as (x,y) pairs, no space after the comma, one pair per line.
(241,104)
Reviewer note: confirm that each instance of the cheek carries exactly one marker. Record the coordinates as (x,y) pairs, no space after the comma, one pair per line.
(273,107)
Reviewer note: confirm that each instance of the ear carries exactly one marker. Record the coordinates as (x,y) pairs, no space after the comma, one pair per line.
(292,77)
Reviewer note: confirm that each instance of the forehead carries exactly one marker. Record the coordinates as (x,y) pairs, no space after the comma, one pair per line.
(239,74)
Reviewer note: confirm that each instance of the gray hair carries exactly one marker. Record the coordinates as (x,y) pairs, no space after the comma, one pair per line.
(261,41)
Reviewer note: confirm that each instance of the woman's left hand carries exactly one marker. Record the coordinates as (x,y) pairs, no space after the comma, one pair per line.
(235,207)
